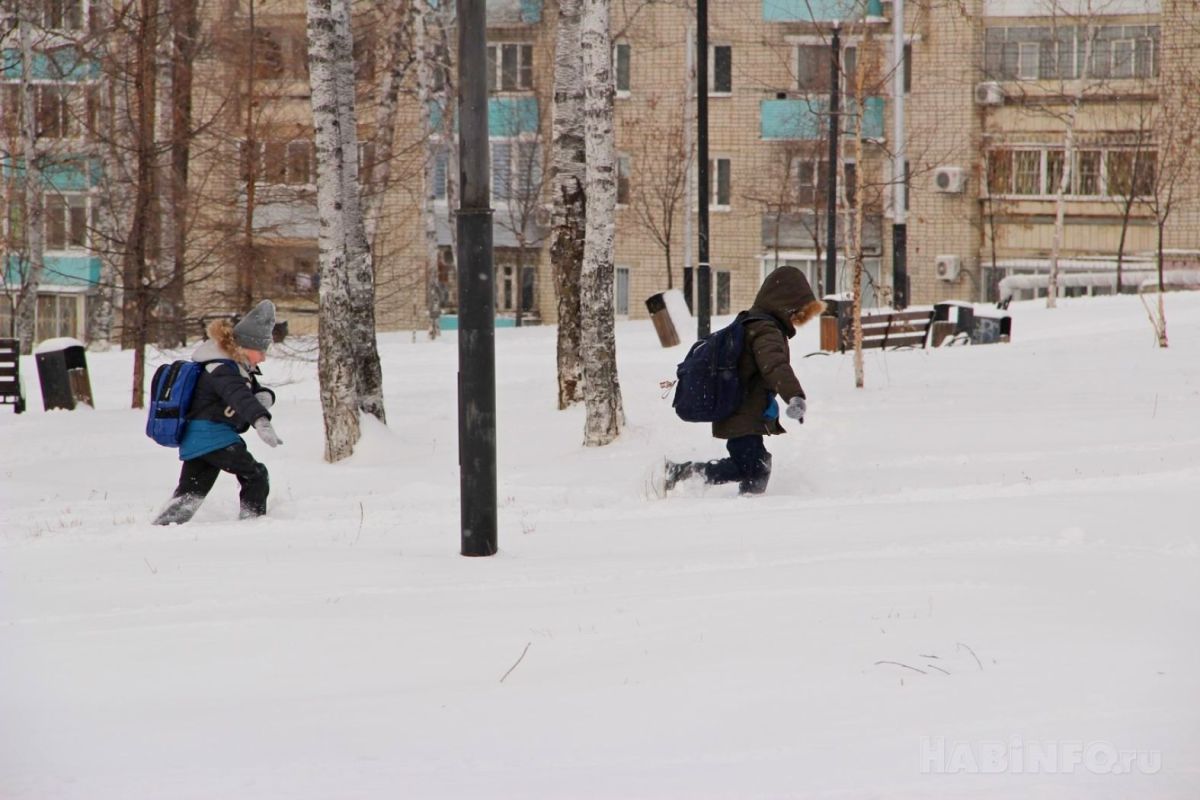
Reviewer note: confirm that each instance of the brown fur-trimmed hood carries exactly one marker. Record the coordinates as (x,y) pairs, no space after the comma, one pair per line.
(811,310)
(222,344)
(785,294)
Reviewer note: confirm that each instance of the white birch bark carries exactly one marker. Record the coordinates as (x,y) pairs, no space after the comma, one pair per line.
(35,219)
(433,147)
(1064,181)
(360,271)
(568,173)
(335,366)
(602,389)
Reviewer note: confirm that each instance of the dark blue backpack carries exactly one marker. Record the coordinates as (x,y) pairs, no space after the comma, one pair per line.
(171,392)
(709,388)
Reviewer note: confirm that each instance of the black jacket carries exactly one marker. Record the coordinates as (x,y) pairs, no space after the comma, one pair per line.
(224,392)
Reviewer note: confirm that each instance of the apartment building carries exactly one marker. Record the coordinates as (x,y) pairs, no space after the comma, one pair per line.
(999,94)
(65,106)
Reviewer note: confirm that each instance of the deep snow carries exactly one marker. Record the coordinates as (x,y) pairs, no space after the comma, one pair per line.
(1018,522)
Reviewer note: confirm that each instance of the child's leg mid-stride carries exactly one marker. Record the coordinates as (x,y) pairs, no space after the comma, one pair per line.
(749,464)
(198,475)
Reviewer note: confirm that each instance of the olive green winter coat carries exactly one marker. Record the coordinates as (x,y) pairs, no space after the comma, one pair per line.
(765,363)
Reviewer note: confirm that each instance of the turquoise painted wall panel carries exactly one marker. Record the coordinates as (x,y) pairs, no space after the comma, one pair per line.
(807,118)
(510,116)
(507,116)
(64,176)
(811,10)
(65,64)
(799,118)
(67,271)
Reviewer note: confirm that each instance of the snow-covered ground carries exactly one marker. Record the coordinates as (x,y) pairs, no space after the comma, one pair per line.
(979,577)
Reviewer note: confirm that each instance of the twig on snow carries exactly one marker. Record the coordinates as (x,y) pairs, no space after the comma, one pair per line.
(939,669)
(519,660)
(972,652)
(898,664)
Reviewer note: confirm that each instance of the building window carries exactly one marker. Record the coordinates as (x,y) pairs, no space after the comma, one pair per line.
(908,71)
(812,68)
(441,165)
(719,170)
(57,315)
(720,69)
(63,15)
(849,70)
(621,54)
(1087,173)
(280,163)
(516,170)
(812,183)
(1027,172)
(621,292)
(1131,173)
(66,222)
(724,283)
(812,178)
(1041,53)
(509,67)
(63,110)
(624,169)
(1094,173)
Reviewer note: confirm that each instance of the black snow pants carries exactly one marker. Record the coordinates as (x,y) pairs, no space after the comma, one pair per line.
(749,464)
(198,475)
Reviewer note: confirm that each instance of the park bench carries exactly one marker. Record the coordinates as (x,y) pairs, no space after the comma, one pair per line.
(880,328)
(10,375)
(943,324)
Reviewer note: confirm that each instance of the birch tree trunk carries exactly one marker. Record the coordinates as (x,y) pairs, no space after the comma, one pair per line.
(336,360)
(568,168)
(35,219)
(360,271)
(602,389)
(1064,181)
(433,148)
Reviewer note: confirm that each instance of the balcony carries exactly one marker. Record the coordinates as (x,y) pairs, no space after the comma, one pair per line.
(807,118)
(819,10)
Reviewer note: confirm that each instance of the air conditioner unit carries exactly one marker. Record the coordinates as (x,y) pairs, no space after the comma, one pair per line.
(952,180)
(989,93)
(947,267)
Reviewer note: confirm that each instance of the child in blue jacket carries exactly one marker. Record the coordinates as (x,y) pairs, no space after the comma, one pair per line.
(228,401)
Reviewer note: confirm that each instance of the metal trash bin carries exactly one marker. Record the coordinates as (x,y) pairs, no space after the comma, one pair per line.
(660,315)
(63,373)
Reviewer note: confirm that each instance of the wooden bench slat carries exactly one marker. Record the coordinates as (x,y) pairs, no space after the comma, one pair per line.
(898,341)
(881,330)
(899,316)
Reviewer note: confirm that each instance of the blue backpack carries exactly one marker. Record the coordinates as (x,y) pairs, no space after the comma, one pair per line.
(709,388)
(171,392)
